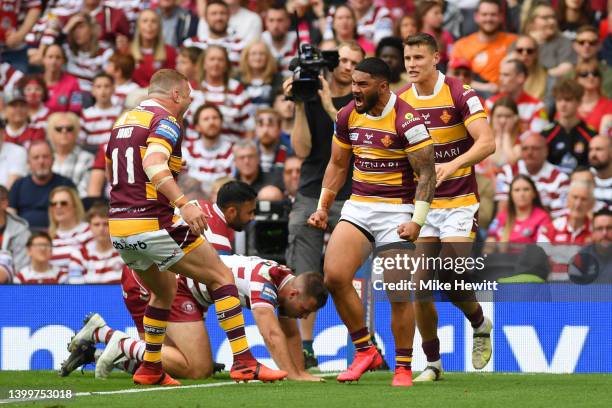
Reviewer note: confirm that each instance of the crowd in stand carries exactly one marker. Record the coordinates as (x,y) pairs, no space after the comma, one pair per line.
(70,68)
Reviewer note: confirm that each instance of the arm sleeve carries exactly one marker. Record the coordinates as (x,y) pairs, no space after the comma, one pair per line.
(468,103)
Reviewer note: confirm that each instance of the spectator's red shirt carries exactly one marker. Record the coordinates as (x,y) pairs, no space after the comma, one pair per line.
(12,13)
(561,232)
(65,95)
(524,231)
(24,136)
(148,66)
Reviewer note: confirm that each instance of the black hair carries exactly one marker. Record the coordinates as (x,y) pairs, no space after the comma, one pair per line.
(375,67)
(103,75)
(315,288)
(38,234)
(235,192)
(393,42)
(603,212)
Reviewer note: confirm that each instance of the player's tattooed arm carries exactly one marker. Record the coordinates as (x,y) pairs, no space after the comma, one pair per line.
(422,161)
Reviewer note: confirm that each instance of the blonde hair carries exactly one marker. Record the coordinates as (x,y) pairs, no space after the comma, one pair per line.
(57,116)
(79,211)
(245,70)
(159,49)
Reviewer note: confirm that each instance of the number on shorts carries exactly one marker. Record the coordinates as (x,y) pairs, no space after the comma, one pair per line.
(129,164)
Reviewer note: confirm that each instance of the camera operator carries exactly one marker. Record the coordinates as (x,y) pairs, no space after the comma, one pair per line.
(311,140)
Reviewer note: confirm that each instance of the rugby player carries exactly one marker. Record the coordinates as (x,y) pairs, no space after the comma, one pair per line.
(393,185)
(455,117)
(143,160)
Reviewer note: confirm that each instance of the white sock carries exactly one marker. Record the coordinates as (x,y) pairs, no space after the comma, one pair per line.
(437,364)
(483,328)
(133,349)
(102,334)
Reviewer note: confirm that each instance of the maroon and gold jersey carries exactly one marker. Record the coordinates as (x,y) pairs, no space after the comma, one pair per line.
(446,113)
(135,205)
(382,172)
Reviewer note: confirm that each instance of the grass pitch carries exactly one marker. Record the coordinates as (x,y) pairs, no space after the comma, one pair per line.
(373,390)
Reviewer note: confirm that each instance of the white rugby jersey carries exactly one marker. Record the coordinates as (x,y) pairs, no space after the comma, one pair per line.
(207,165)
(97,123)
(89,265)
(52,276)
(66,243)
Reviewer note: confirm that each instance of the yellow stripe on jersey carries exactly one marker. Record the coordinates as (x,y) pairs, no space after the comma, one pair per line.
(135,118)
(461,172)
(387,179)
(386,124)
(420,145)
(159,140)
(372,199)
(443,99)
(342,144)
(448,134)
(474,117)
(375,153)
(126,227)
(175,163)
(454,202)
(151,191)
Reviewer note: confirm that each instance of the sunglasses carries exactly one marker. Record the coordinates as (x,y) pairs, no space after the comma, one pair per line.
(587,42)
(61,129)
(585,74)
(527,51)
(59,203)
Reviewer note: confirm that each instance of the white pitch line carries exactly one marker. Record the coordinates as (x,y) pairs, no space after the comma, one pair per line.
(138,390)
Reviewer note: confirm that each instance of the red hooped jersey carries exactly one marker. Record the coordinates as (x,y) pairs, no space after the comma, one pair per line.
(135,205)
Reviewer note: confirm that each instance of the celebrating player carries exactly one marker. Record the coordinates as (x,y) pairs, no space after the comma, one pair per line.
(390,144)
(143,160)
(454,115)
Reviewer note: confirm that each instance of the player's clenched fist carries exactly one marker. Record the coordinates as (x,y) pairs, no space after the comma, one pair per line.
(318,219)
(194,217)
(409,231)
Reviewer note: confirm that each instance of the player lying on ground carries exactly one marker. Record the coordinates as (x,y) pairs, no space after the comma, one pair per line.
(462,137)
(393,184)
(263,286)
(143,161)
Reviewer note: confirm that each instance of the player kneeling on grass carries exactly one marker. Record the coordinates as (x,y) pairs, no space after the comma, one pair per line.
(263,286)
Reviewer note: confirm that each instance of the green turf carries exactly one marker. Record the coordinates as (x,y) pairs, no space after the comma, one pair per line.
(373,390)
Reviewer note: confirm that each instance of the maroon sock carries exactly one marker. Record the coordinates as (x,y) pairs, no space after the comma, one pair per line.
(403,358)
(476,318)
(231,320)
(361,339)
(431,348)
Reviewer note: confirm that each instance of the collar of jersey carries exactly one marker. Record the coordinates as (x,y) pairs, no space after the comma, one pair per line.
(436,90)
(385,112)
(219,212)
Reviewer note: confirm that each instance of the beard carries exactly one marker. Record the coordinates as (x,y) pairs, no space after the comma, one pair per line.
(598,165)
(369,101)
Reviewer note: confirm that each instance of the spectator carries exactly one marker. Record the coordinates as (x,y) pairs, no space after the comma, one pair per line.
(244,23)
(12,162)
(34,91)
(18,18)
(40,270)
(344,28)
(96,261)
(593,264)
(538,83)
(178,23)
(551,182)
(308,19)
(600,159)
(66,225)
(86,56)
(209,157)
(593,105)
(512,77)
(29,196)
(568,137)
(485,48)
(291,176)
(373,21)
(555,50)
(228,94)
(217,19)
(63,88)
(187,64)
(248,168)
(17,129)
(258,73)
(462,70)
(281,41)
(9,77)
(112,21)
(405,27)
(272,153)
(587,47)
(148,48)
(506,126)
(430,19)
(70,160)
(270,193)
(131,8)
(524,217)
(14,234)
(98,186)
(98,120)
(573,14)
(121,68)
(286,109)
(391,50)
